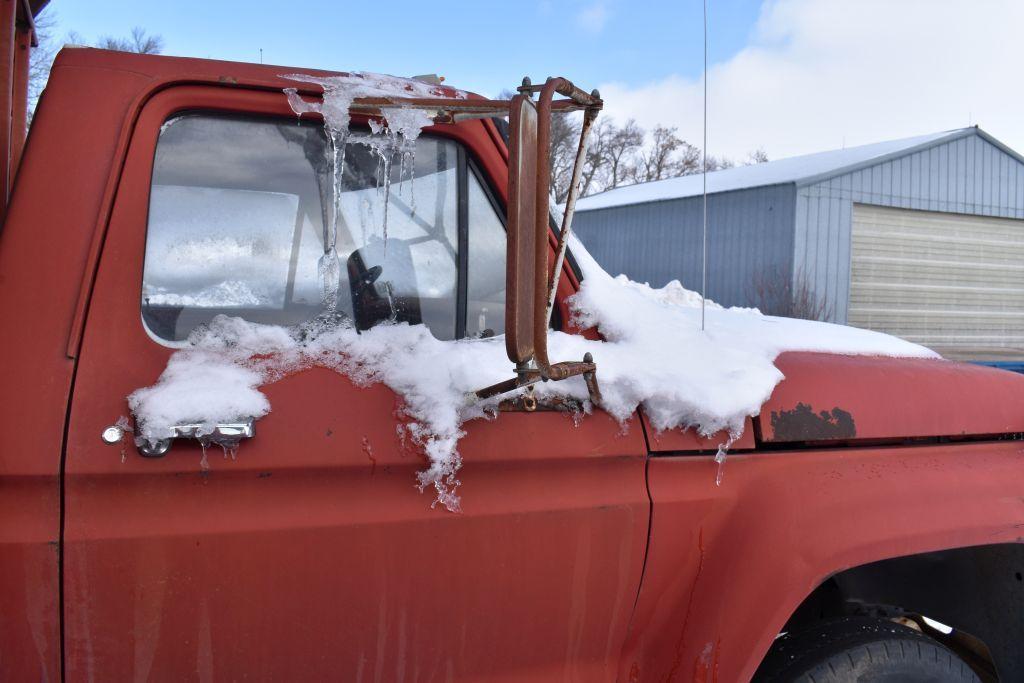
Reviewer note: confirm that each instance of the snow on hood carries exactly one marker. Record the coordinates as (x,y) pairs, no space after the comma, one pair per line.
(653,354)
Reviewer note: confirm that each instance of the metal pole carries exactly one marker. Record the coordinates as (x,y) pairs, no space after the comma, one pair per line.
(704,176)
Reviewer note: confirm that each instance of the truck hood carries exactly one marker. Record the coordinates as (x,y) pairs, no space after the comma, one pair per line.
(828,398)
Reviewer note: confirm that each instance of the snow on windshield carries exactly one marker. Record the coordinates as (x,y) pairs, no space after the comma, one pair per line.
(653,354)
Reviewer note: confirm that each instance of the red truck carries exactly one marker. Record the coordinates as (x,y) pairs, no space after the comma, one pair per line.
(872,501)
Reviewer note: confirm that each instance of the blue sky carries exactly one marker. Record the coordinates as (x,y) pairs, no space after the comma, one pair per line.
(483,46)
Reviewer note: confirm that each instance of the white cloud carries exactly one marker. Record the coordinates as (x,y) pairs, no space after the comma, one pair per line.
(817,73)
(593,17)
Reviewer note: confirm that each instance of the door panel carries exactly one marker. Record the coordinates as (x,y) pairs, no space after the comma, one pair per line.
(312,554)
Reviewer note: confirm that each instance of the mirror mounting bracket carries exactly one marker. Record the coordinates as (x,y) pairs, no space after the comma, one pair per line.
(530,289)
(528,375)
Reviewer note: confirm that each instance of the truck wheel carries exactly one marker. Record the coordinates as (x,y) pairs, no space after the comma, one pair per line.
(861,650)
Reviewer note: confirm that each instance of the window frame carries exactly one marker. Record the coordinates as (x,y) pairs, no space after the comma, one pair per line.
(466,164)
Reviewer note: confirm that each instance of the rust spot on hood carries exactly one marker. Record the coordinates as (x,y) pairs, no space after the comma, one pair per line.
(803,424)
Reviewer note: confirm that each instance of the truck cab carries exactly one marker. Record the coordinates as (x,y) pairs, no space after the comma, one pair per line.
(158,193)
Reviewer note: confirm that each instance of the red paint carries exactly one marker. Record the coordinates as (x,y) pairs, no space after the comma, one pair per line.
(898,397)
(578,555)
(690,441)
(336,545)
(782,522)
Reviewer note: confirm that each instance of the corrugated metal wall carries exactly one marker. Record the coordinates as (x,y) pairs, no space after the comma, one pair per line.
(750,236)
(952,282)
(968,175)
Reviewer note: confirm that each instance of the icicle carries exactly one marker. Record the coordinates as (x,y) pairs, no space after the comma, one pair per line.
(230,449)
(382,143)
(401,174)
(329,265)
(386,168)
(720,459)
(723,451)
(412,183)
(299,105)
(126,428)
(399,132)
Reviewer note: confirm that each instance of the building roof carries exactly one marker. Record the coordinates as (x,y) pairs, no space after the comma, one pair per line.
(801,170)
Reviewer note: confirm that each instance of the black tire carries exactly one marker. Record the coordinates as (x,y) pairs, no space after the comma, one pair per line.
(861,650)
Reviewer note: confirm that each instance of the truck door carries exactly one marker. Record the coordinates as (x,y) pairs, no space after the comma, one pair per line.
(310,554)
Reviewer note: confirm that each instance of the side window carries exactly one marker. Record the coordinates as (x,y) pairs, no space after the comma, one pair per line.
(241,222)
(485,296)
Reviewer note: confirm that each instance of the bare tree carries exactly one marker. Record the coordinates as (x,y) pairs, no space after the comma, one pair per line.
(758,156)
(621,153)
(666,156)
(612,154)
(593,163)
(719,163)
(775,293)
(138,42)
(41,57)
(565,138)
(618,156)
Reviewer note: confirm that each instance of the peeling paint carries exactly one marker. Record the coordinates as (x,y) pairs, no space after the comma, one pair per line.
(803,424)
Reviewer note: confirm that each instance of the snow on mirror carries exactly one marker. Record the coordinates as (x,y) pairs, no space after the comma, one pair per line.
(262,261)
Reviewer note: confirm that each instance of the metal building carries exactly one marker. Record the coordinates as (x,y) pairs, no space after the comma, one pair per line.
(921,237)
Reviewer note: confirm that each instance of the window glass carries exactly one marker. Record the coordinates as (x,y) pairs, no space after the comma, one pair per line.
(485,293)
(239,216)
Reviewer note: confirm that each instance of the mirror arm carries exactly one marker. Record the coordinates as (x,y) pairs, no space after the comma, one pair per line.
(541,224)
(530,288)
(589,115)
(528,376)
(542,214)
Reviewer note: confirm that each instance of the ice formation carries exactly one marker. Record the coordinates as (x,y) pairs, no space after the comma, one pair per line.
(653,354)
(398,136)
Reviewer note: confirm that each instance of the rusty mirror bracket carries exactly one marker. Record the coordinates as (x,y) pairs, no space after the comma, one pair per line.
(530,293)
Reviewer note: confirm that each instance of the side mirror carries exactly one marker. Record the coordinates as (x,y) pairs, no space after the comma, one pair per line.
(529,292)
(523,277)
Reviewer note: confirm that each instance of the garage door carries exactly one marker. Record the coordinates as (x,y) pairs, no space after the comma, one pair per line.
(951,282)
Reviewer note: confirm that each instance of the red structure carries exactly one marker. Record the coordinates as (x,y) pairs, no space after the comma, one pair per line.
(591,552)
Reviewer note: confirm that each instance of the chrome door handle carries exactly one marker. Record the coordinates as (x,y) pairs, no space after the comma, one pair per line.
(225,434)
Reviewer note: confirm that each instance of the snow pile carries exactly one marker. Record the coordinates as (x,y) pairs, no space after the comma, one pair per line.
(654,354)
(215,380)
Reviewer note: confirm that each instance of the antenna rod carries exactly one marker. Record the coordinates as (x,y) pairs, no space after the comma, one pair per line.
(704,176)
